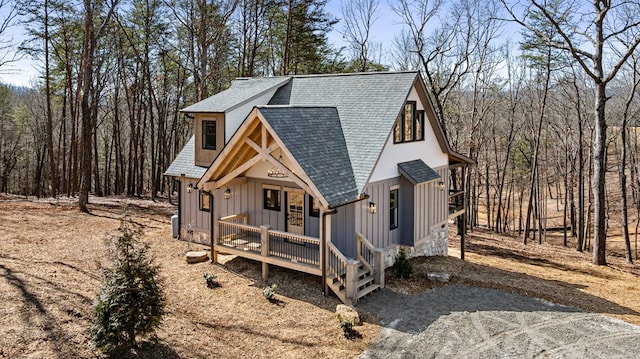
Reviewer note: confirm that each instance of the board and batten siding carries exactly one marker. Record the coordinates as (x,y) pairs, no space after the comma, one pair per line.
(247,197)
(343,229)
(376,226)
(192,217)
(431,205)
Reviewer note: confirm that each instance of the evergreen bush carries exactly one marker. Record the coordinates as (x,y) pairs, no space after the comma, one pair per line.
(131,302)
(402,267)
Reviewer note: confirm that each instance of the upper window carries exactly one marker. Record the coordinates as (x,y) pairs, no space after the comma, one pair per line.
(209,135)
(410,124)
(205,201)
(393,209)
(314,207)
(271,199)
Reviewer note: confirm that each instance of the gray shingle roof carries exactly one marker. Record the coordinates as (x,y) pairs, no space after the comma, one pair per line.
(240,92)
(314,137)
(417,171)
(184,164)
(368,105)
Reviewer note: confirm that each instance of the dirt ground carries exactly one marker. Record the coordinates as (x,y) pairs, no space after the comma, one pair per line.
(51,257)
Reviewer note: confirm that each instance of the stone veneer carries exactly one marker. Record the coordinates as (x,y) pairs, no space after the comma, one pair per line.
(435,245)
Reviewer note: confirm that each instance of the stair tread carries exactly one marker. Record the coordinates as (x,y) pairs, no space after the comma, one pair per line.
(364,281)
(367,290)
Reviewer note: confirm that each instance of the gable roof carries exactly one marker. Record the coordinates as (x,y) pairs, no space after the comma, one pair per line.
(417,172)
(368,105)
(184,163)
(314,137)
(240,92)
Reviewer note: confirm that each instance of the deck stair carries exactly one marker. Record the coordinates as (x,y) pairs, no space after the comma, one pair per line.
(352,279)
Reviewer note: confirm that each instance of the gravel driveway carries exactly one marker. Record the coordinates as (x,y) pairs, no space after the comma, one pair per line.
(459,321)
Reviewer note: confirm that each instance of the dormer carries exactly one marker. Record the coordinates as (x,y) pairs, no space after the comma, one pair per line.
(209,136)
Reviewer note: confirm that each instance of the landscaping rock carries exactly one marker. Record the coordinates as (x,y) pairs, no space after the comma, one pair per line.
(197,256)
(345,312)
(439,277)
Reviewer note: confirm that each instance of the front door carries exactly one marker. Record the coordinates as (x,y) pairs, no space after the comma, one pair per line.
(295,212)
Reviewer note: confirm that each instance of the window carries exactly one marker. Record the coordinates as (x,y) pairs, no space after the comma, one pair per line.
(393,209)
(314,207)
(419,125)
(271,199)
(209,135)
(205,201)
(410,124)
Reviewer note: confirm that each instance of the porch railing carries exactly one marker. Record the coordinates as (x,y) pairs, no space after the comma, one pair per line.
(295,247)
(235,233)
(371,257)
(456,201)
(342,269)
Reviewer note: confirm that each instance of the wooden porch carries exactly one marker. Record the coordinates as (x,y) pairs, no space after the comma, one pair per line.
(349,278)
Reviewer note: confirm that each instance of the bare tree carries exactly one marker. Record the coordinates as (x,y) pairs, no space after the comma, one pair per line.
(6,21)
(359,16)
(598,30)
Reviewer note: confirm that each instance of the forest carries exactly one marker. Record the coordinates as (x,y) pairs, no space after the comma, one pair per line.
(540,93)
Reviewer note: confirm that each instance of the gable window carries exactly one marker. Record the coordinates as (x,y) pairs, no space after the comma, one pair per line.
(393,208)
(209,135)
(314,207)
(271,199)
(205,201)
(410,124)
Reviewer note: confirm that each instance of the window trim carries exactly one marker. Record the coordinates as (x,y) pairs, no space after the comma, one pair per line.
(201,196)
(314,211)
(278,205)
(417,118)
(394,213)
(205,125)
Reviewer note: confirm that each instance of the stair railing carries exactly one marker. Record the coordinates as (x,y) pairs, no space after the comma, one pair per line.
(371,257)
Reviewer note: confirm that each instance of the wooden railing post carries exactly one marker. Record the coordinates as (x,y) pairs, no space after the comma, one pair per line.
(379,267)
(264,246)
(351,279)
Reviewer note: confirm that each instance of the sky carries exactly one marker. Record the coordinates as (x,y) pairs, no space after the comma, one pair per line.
(386,25)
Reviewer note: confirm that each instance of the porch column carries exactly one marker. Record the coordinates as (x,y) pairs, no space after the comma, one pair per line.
(264,247)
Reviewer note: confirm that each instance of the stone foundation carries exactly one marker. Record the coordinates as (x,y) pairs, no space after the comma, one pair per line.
(435,245)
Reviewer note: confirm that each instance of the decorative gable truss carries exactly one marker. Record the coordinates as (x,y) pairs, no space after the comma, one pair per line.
(253,142)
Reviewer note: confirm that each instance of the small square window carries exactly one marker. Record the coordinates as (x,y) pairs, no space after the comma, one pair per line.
(314,207)
(271,199)
(209,135)
(205,201)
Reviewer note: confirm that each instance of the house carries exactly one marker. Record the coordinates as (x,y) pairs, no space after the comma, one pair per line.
(325,174)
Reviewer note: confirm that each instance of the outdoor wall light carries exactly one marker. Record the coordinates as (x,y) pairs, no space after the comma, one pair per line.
(441,185)
(372,208)
(189,188)
(227,194)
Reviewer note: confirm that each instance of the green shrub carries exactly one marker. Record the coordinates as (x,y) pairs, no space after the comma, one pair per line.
(402,267)
(269,292)
(130,302)
(210,278)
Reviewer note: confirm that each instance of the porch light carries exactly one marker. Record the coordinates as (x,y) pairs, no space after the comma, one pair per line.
(189,188)
(441,185)
(227,194)
(276,172)
(372,208)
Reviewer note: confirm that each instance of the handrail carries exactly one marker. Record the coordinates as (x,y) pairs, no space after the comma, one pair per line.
(341,268)
(371,257)
(231,218)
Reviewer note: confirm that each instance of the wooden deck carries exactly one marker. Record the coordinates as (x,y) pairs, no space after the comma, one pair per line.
(350,279)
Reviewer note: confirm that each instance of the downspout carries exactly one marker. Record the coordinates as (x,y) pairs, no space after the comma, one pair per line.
(180,207)
(323,260)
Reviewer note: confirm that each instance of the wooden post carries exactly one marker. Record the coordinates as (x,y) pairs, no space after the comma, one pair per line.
(379,267)
(264,246)
(351,279)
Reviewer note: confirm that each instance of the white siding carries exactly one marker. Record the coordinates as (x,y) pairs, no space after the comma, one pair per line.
(428,150)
